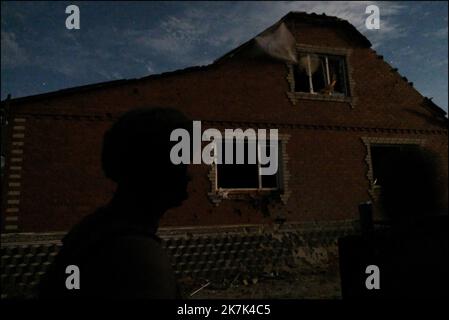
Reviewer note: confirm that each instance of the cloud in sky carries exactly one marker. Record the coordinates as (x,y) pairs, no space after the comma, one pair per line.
(12,54)
(133,39)
(215,25)
(220,25)
(439,34)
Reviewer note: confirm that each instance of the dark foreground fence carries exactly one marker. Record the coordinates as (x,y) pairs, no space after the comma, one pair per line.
(217,254)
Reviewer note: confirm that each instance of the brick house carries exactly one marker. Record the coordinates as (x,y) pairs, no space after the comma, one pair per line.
(329,142)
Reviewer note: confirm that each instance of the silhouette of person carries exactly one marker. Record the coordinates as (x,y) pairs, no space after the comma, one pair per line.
(416,248)
(115,248)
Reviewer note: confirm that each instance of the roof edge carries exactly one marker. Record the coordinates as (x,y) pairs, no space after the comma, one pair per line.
(307,17)
(99,85)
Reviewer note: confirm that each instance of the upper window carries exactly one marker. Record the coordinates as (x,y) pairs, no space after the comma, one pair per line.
(246,175)
(321,74)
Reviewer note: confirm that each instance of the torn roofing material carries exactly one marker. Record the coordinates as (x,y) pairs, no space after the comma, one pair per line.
(276,41)
(266,41)
(310,18)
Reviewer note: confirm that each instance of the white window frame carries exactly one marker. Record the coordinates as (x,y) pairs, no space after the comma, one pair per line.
(260,188)
(327,80)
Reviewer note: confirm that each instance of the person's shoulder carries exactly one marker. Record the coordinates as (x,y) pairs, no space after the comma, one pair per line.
(136,244)
(138,252)
(138,266)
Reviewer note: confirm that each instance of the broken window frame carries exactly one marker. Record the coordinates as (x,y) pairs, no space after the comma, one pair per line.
(373,189)
(343,74)
(278,174)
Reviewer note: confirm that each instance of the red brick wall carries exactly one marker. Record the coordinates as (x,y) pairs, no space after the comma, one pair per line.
(61,178)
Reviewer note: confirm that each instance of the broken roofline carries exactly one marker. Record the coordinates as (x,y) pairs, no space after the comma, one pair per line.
(303,16)
(101,85)
(293,15)
(311,18)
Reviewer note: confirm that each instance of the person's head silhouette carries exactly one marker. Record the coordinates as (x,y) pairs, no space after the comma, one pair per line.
(136,155)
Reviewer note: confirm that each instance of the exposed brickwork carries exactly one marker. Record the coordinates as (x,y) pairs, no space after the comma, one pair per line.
(284,167)
(14,175)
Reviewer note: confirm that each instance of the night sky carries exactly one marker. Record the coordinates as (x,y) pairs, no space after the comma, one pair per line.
(119,40)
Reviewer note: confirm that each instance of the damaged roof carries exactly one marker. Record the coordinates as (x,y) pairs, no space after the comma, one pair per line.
(310,18)
(303,16)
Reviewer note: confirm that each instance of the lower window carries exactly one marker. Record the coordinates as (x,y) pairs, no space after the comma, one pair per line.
(245,176)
